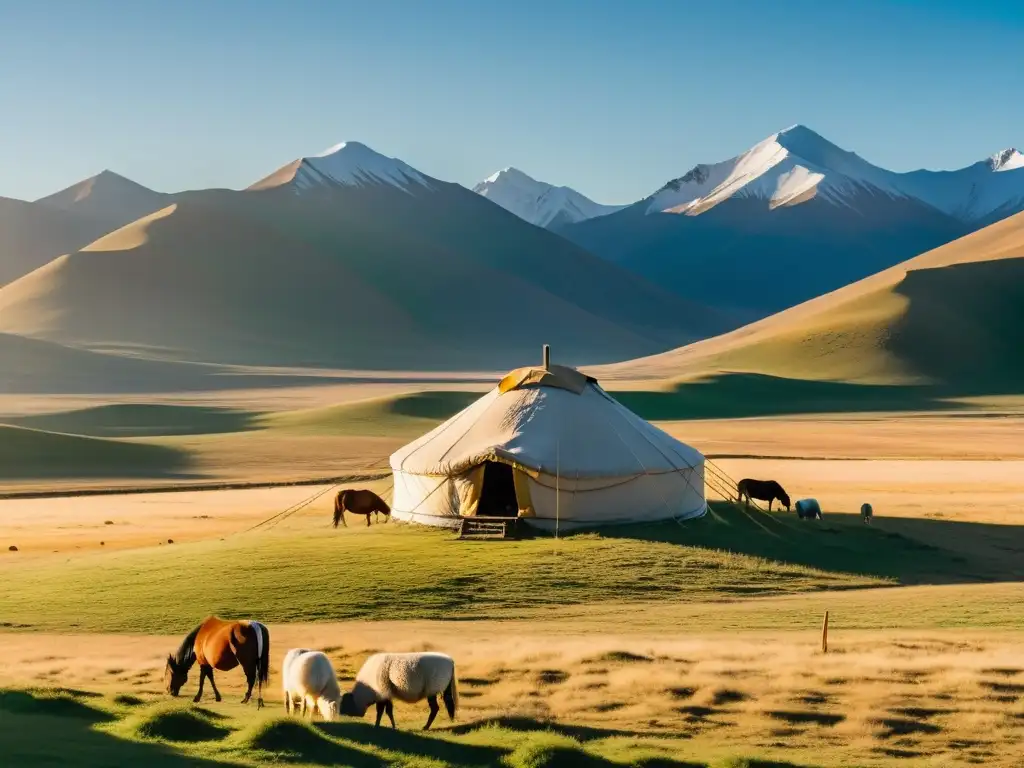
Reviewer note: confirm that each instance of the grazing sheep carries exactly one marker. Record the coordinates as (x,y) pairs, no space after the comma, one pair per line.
(866,513)
(408,677)
(285,664)
(309,677)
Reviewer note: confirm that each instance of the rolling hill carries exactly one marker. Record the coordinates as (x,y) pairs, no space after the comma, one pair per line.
(30,453)
(33,234)
(346,259)
(952,319)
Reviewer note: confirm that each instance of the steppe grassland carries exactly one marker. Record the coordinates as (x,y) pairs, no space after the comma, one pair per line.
(924,675)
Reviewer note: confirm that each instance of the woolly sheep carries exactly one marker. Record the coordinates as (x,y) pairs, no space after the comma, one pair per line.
(285,664)
(408,677)
(308,677)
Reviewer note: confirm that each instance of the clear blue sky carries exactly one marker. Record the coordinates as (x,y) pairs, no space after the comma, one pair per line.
(613,97)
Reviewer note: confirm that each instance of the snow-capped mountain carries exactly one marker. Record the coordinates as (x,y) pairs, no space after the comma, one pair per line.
(538,202)
(350,164)
(787,168)
(796,165)
(791,218)
(981,193)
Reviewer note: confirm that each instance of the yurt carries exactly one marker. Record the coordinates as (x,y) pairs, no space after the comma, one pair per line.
(550,446)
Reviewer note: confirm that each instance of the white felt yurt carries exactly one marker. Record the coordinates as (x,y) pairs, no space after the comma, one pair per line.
(550,446)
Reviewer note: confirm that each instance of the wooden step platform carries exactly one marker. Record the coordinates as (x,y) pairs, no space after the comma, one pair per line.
(489,528)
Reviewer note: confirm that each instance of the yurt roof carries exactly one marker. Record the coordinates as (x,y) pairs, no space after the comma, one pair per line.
(549,420)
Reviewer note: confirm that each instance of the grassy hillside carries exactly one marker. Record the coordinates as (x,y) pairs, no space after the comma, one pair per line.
(948,321)
(431,574)
(30,453)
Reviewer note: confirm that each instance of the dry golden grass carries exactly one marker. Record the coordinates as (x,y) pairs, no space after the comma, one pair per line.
(77,525)
(944,698)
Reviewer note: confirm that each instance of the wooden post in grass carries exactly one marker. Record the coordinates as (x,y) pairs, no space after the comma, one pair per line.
(824,634)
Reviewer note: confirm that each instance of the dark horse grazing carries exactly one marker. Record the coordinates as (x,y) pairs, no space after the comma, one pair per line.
(359,503)
(762,490)
(223,645)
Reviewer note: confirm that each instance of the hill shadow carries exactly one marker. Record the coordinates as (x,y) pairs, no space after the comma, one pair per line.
(747,395)
(907,550)
(33,732)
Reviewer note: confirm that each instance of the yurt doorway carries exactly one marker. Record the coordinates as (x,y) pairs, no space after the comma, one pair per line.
(498,496)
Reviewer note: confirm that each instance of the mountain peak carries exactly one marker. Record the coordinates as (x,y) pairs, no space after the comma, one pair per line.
(510,173)
(538,202)
(1007,160)
(348,164)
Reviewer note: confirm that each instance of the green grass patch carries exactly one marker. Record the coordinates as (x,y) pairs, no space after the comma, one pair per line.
(401,572)
(177,724)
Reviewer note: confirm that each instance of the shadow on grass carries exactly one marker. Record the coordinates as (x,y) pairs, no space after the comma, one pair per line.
(581,733)
(414,743)
(907,550)
(38,729)
(297,742)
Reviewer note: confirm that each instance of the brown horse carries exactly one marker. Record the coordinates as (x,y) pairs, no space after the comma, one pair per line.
(360,502)
(762,490)
(223,645)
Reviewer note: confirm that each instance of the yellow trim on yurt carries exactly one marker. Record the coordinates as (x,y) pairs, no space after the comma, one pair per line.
(469,494)
(559,376)
(522,483)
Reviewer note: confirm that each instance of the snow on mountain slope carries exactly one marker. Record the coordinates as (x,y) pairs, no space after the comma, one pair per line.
(796,165)
(787,168)
(990,188)
(349,164)
(538,202)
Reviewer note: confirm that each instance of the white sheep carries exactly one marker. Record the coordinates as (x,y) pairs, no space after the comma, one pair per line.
(408,677)
(285,664)
(308,677)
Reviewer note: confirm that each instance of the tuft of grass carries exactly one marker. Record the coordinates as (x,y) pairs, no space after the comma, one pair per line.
(176,724)
(552,750)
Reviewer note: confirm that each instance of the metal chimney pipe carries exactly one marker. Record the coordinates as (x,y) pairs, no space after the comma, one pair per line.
(547,357)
